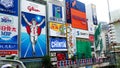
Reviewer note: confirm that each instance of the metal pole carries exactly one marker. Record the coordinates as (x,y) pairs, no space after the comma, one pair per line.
(109,11)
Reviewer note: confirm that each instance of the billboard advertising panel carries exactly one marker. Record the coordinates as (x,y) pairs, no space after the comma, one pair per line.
(8,33)
(33,30)
(68,12)
(94,14)
(91,26)
(57,29)
(75,5)
(8,27)
(56,13)
(71,40)
(9,7)
(79,19)
(58,44)
(82,33)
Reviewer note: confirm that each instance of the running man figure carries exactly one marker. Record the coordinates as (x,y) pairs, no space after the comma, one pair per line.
(33,31)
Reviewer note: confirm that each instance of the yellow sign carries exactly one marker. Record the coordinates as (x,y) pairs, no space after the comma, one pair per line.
(57,26)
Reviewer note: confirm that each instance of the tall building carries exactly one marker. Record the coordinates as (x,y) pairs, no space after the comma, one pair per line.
(114,28)
(92,22)
(104,36)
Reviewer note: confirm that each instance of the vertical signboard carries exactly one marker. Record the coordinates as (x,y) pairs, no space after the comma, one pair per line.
(71,40)
(33,30)
(76,14)
(94,15)
(56,13)
(8,27)
(57,29)
(58,44)
(91,26)
(68,12)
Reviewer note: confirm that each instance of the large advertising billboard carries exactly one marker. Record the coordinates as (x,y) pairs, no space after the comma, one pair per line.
(33,30)
(58,44)
(57,29)
(76,14)
(56,13)
(73,4)
(8,27)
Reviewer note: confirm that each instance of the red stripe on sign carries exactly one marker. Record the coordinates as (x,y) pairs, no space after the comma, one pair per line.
(8,52)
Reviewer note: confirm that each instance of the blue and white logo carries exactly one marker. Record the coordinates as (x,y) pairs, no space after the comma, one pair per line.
(6,19)
(7,3)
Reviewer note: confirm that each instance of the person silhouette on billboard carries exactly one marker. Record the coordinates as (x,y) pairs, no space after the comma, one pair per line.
(34,30)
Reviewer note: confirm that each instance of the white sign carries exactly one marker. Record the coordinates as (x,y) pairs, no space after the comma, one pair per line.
(8,27)
(82,33)
(33,8)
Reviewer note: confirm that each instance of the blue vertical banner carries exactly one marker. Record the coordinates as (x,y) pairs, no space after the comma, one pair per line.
(94,15)
(33,30)
(8,27)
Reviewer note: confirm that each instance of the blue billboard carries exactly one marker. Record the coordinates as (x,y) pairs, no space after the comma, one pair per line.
(58,44)
(9,7)
(33,38)
(77,5)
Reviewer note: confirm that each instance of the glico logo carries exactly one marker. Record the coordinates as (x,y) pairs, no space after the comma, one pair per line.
(6,19)
(31,8)
(7,3)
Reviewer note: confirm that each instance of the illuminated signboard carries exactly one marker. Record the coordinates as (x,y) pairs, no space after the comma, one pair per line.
(57,29)
(58,44)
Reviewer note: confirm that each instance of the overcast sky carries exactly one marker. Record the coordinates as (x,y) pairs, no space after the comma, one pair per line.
(102,7)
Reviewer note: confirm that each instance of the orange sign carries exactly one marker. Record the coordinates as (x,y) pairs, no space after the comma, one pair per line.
(79,19)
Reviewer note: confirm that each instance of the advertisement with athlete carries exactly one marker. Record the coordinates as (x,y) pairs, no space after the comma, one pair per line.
(33,30)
